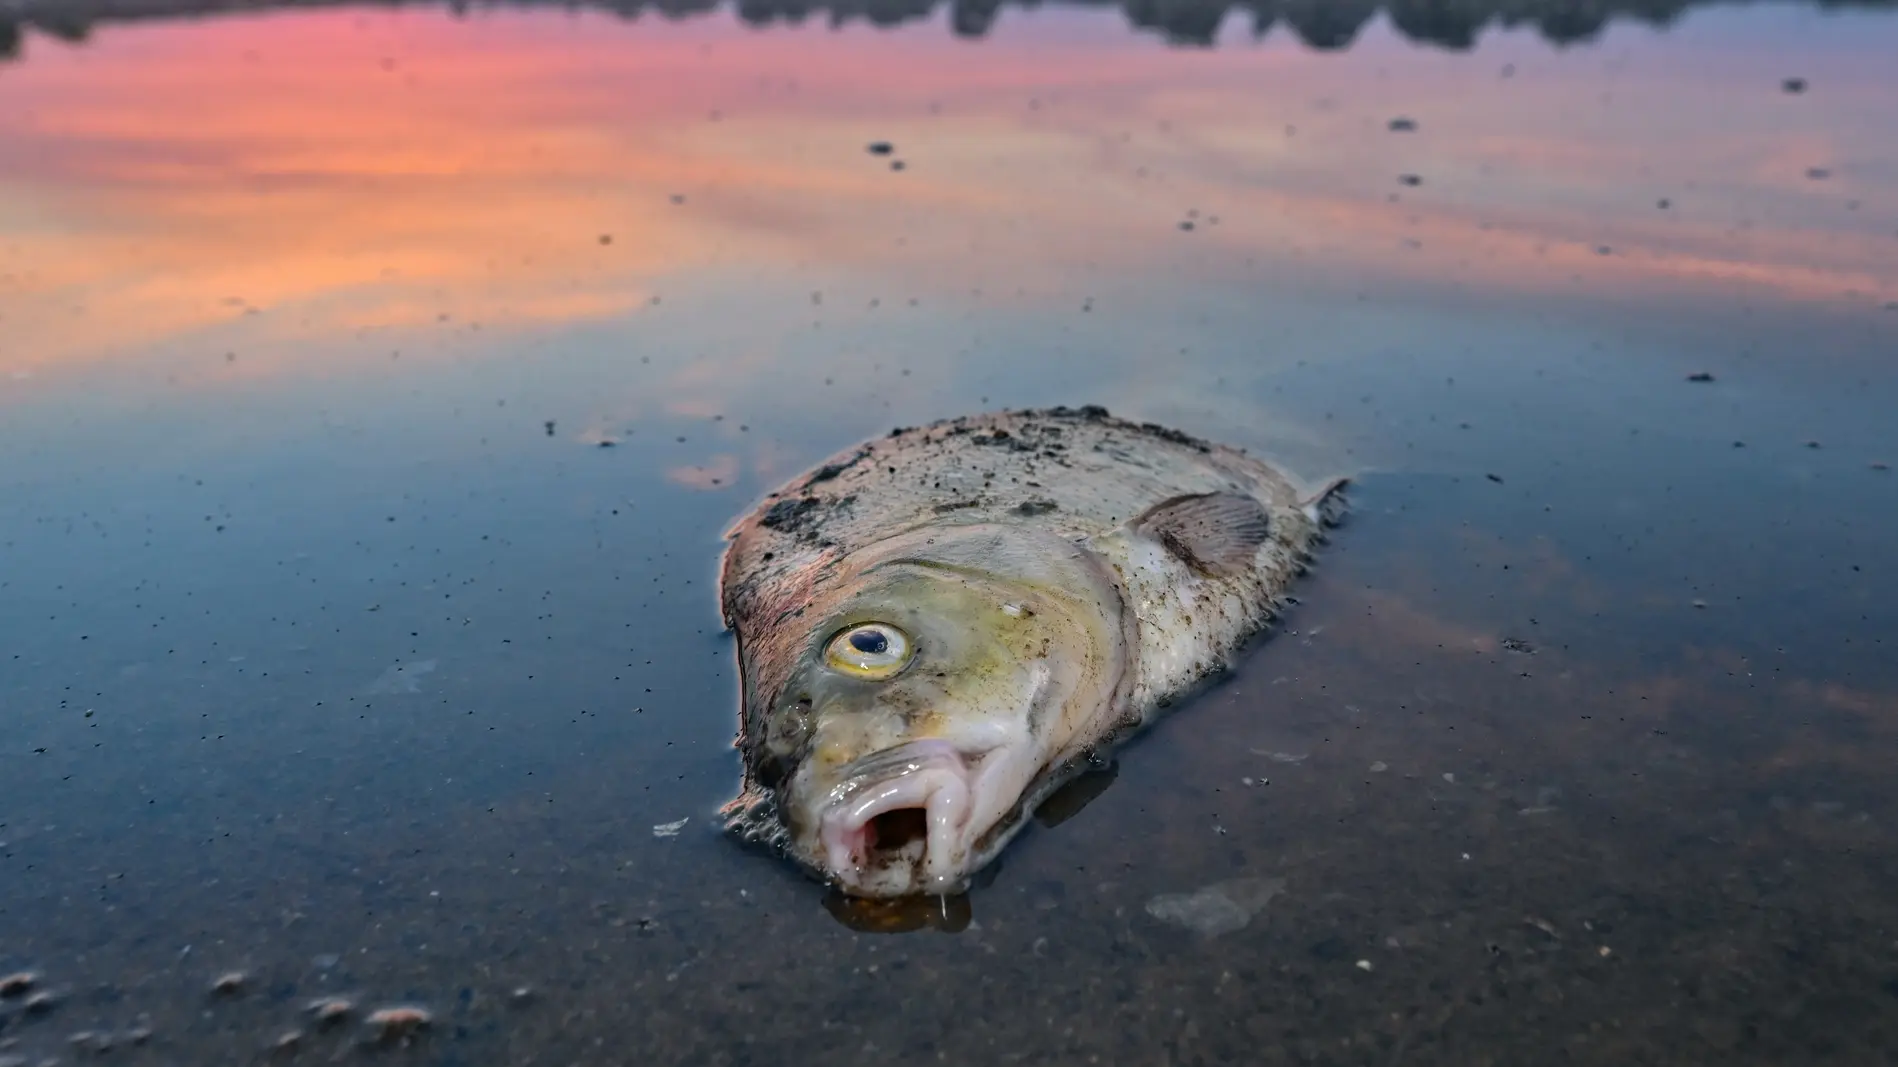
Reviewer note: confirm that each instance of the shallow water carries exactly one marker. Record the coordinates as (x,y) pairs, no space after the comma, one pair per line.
(335,647)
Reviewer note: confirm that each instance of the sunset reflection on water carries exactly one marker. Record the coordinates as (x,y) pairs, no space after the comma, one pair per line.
(254,180)
(376,384)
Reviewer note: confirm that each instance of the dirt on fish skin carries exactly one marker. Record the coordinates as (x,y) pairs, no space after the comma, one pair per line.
(1194,545)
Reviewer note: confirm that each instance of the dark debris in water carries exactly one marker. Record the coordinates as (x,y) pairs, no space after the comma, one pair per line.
(880,148)
(1793,85)
(1403,125)
(1700,376)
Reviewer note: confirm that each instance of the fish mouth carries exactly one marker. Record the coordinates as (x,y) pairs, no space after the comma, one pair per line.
(895,825)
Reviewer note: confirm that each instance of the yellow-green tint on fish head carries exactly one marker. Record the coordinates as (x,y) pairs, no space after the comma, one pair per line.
(939,675)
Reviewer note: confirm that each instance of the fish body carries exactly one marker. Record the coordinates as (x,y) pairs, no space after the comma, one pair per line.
(939,628)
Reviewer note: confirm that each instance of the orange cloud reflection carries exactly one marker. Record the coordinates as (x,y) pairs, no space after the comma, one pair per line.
(249,180)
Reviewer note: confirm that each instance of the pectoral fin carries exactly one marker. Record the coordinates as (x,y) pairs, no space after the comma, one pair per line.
(1214,533)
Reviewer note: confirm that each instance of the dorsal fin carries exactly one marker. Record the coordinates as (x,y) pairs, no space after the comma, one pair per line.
(1214,533)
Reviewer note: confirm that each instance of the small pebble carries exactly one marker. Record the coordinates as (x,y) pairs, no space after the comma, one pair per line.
(1605,952)
(1379,767)
(288,1041)
(1448,777)
(1364,965)
(328,1011)
(229,983)
(399,1024)
(521,995)
(41,1003)
(15,985)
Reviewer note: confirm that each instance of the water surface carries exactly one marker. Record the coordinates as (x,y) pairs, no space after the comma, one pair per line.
(375,385)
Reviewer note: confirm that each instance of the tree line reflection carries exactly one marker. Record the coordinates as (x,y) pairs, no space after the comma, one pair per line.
(1323,25)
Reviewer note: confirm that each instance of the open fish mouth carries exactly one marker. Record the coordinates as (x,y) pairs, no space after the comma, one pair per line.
(895,826)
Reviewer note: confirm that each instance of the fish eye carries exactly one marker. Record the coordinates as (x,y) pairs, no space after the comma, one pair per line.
(872,650)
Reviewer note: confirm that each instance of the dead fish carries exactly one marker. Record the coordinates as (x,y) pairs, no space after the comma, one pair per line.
(938,629)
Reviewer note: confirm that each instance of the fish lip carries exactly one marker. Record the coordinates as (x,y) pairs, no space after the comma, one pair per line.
(887,763)
(933,775)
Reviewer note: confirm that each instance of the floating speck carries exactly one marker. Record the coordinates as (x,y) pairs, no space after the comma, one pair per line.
(1403,125)
(1818,174)
(1410,179)
(1700,376)
(1793,85)
(880,148)
(1380,767)
(1364,965)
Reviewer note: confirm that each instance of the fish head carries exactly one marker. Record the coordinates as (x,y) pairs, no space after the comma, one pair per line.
(930,688)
